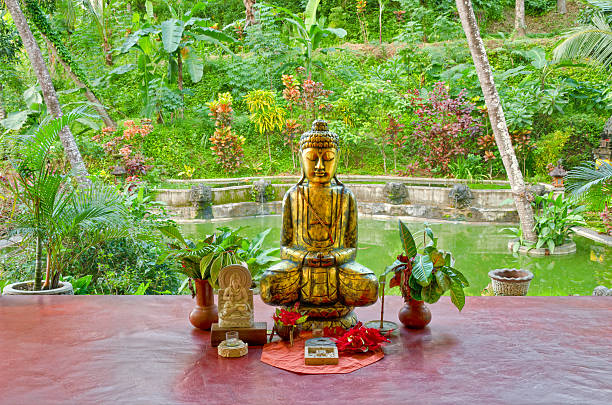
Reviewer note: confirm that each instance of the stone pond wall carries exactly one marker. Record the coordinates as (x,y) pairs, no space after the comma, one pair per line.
(400,198)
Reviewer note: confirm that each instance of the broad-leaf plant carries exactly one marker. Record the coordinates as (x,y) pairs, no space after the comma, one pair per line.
(427,273)
(203,259)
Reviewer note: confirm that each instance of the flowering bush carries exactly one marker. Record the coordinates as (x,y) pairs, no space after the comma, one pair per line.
(225,143)
(360,339)
(444,127)
(126,146)
(289,317)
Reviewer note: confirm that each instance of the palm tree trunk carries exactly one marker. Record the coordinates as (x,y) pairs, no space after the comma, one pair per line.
(97,104)
(561,6)
(248,11)
(42,73)
(108,54)
(179,63)
(2,110)
(520,26)
(38,264)
(496,116)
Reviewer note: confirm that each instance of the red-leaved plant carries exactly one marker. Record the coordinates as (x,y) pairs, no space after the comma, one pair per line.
(360,339)
(225,143)
(444,127)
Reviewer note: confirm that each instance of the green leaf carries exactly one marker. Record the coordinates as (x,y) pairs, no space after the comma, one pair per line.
(421,269)
(310,13)
(215,268)
(407,240)
(172,232)
(195,65)
(457,295)
(551,245)
(443,280)
(339,32)
(172,32)
(149,10)
(15,120)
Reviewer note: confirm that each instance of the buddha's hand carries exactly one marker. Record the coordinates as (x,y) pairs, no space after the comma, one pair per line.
(320,259)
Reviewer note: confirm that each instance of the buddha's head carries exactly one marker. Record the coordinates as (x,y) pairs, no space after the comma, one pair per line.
(318,154)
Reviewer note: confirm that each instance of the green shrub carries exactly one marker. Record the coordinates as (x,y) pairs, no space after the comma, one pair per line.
(548,150)
(584,129)
(538,7)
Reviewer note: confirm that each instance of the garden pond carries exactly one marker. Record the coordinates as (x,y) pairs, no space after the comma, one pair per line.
(477,250)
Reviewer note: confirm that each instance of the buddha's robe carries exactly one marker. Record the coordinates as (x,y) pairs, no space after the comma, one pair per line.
(346,282)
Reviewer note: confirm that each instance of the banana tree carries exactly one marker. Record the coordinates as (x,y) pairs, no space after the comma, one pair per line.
(174,40)
(309,33)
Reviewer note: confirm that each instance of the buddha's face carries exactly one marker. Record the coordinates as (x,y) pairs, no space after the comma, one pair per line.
(319,164)
(234,282)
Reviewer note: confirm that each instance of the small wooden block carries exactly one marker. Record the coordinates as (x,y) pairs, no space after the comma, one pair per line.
(255,336)
(320,355)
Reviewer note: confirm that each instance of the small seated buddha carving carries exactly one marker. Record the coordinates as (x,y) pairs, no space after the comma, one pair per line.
(235,297)
(319,241)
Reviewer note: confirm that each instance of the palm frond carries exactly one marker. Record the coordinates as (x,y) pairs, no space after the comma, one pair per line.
(581,179)
(603,5)
(592,42)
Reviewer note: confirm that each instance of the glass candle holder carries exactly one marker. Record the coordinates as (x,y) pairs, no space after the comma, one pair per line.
(231,338)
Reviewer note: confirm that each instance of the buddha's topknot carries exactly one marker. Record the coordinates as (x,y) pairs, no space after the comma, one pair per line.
(319,137)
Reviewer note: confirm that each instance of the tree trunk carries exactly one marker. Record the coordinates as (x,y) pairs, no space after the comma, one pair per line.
(53,106)
(97,104)
(519,19)
(496,116)
(249,13)
(2,110)
(179,63)
(561,6)
(108,54)
(380,10)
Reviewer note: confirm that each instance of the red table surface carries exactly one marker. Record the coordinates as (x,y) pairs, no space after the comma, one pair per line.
(142,350)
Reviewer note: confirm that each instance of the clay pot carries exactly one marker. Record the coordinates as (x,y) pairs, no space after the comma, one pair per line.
(284,332)
(414,314)
(25,288)
(205,312)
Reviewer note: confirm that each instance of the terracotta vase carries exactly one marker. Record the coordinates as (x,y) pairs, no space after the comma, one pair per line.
(414,314)
(205,312)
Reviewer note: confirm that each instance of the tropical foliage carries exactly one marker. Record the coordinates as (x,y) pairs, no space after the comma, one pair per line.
(425,274)
(63,222)
(204,258)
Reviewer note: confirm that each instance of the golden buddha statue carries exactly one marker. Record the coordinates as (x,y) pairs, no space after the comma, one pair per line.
(319,241)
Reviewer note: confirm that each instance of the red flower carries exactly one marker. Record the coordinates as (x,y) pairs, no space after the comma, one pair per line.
(289,317)
(360,339)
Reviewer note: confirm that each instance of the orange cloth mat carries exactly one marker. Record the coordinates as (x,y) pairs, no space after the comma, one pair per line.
(281,355)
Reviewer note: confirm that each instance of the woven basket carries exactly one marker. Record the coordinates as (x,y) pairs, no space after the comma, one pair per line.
(510,281)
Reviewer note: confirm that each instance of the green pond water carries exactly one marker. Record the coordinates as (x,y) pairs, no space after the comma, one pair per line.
(476,248)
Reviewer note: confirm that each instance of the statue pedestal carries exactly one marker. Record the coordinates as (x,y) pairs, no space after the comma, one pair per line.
(255,336)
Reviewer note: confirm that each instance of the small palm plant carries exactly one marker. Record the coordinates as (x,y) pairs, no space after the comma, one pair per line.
(593,41)
(62,221)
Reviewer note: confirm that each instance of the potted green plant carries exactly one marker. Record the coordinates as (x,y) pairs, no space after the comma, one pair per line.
(202,260)
(62,221)
(424,275)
